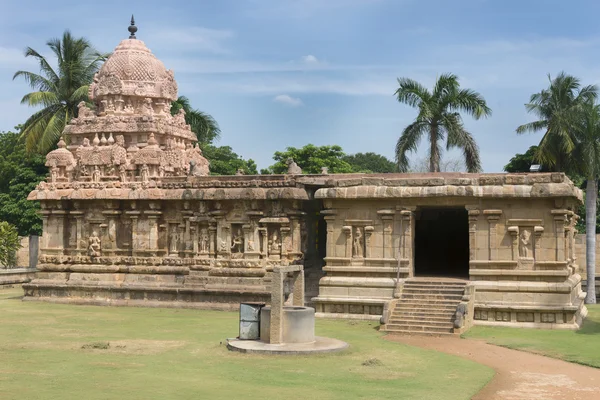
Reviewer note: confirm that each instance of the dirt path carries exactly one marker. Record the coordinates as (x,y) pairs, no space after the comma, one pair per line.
(519,375)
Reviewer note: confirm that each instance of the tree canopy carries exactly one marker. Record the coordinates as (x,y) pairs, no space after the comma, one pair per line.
(223,161)
(202,124)
(370,163)
(9,244)
(311,159)
(58,91)
(557,109)
(439,118)
(20,172)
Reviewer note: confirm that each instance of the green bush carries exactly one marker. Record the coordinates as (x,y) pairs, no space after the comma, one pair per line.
(9,244)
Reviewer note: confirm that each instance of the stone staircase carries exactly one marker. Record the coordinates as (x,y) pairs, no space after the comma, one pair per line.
(426,307)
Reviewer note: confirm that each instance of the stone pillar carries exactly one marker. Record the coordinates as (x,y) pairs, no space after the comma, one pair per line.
(560,218)
(408,235)
(78,215)
(59,216)
(298,289)
(348,249)
(285,238)
(248,233)
(45,216)
(195,237)
(212,233)
(153,217)
(387,218)
(111,234)
(276,334)
(134,216)
(514,233)
(492,216)
(329,216)
(368,232)
(473,218)
(537,231)
(265,241)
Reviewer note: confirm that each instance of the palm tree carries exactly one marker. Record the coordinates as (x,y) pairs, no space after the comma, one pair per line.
(556,108)
(57,91)
(439,116)
(586,153)
(203,125)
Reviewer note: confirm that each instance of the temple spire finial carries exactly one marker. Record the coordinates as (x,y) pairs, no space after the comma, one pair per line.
(132,28)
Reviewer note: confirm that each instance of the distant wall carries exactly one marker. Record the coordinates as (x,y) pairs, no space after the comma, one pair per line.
(580,253)
(27,255)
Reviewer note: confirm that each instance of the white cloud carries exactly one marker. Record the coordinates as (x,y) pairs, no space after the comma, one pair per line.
(310,60)
(288,100)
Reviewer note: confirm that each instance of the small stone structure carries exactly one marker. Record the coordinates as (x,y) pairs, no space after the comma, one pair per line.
(287,329)
(132,216)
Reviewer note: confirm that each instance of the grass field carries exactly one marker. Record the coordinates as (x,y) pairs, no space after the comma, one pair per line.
(582,346)
(50,351)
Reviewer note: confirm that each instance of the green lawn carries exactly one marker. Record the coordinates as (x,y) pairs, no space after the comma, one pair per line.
(177,354)
(582,346)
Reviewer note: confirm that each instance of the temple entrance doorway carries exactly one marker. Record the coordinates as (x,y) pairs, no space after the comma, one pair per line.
(442,242)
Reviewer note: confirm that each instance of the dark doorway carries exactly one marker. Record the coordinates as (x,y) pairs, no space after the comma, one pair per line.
(442,242)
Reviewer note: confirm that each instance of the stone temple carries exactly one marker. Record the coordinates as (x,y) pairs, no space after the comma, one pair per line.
(132,216)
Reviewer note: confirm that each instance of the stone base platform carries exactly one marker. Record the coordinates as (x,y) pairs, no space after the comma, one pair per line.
(16,276)
(142,296)
(320,345)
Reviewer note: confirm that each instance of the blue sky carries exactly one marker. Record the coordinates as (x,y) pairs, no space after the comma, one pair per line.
(278,73)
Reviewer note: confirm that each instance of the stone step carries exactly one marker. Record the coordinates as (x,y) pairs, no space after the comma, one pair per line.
(422,314)
(395,331)
(416,319)
(439,283)
(427,303)
(419,289)
(420,328)
(432,296)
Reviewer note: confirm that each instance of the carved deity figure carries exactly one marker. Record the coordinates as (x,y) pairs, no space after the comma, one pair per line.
(94,245)
(174,241)
(250,245)
(148,106)
(525,244)
(96,174)
(204,239)
(237,243)
(145,173)
(293,168)
(357,243)
(129,107)
(54,173)
(274,244)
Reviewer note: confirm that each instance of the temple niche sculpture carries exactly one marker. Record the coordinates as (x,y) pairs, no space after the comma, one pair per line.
(132,216)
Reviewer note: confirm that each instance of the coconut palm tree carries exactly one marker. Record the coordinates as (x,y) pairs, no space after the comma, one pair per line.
(439,117)
(57,91)
(586,153)
(203,125)
(556,107)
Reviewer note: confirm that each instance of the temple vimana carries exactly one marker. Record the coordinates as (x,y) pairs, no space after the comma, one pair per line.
(132,216)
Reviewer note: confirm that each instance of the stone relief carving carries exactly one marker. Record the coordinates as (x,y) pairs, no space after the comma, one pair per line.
(94,245)
(237,242)
(525,244)
(358,243)
(204,241)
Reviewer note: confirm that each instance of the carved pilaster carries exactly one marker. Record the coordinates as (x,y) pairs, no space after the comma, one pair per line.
(347,230)
(513,231)
(560,219)
(408,237)
(473,220)
(492,216)
(153,217)
(134,216)
(537,231)
(387,219)
(368,232)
